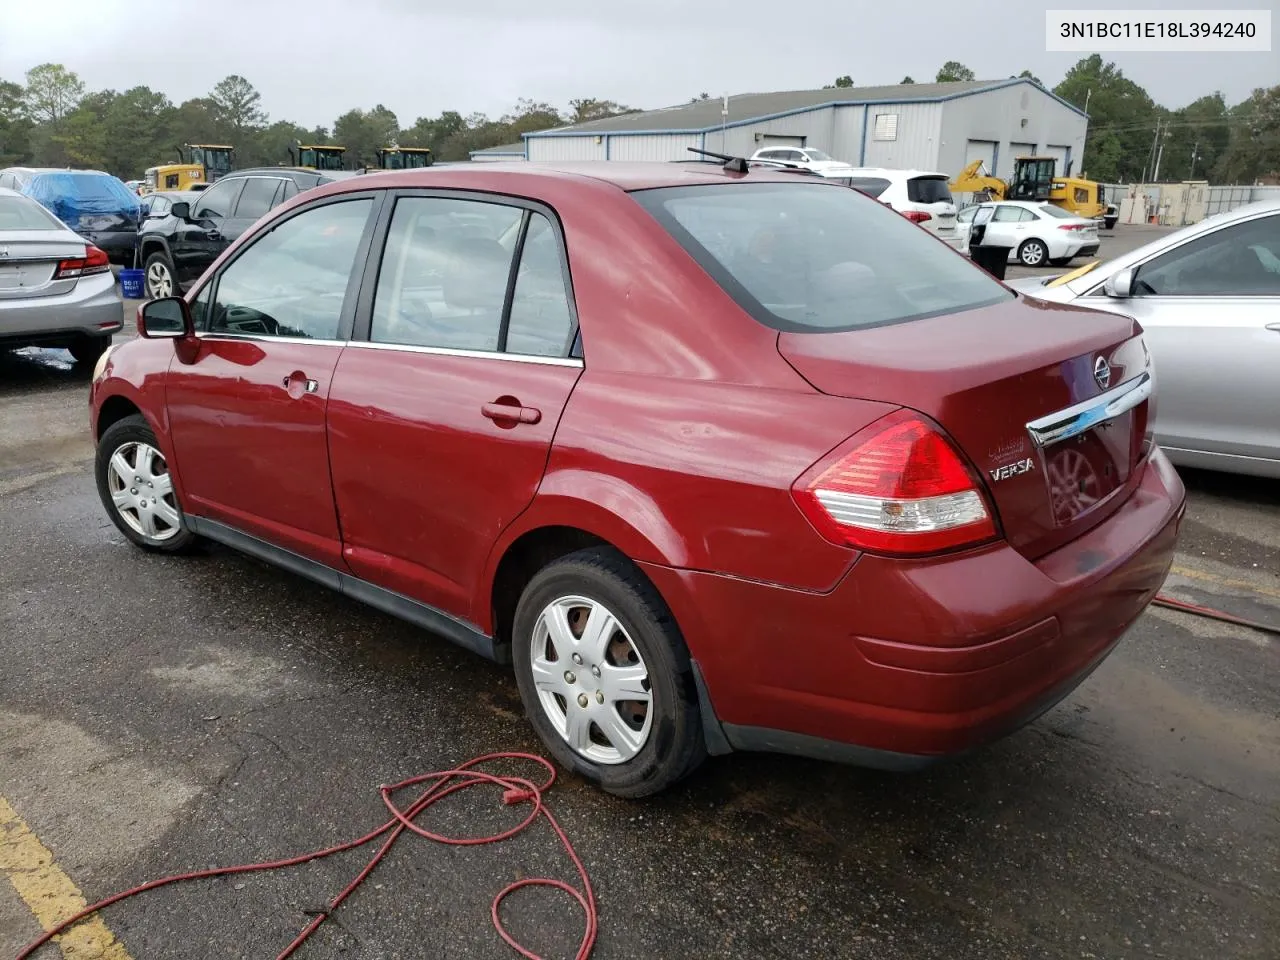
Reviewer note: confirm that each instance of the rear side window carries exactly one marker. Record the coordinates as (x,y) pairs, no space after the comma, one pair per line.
(928,190)
(257,197)
(871,186)
(220,199)
(1048,211)
(814,258)
(19,213)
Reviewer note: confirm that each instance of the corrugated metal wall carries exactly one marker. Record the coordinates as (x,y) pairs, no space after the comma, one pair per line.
(815,126)
(916,135)
(1017,114)
(660,146)
(565,148)
(497,158)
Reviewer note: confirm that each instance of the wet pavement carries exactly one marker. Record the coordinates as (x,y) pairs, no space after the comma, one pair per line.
(164,714)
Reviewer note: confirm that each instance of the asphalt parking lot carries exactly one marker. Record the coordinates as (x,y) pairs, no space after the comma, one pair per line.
(163,714)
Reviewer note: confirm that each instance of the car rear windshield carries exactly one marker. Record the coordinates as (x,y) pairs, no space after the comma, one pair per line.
(817,258)
(19,213)
(871,186)
(1058,212)
(928,190)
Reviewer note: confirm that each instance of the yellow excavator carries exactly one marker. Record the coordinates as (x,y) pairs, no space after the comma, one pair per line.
(1035,179)
(317,157)
(405,158)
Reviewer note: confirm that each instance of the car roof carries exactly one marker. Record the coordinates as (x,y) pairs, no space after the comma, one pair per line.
(626,175)
(293,173)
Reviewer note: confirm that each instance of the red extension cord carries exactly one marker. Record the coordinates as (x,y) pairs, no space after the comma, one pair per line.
(1165,601)
(442,783)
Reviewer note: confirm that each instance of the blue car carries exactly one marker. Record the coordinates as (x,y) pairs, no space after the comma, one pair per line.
(96,205)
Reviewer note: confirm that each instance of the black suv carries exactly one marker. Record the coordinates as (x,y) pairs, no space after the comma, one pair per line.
(175,250)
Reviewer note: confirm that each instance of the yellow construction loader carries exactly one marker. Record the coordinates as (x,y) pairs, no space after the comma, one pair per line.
(1035,179)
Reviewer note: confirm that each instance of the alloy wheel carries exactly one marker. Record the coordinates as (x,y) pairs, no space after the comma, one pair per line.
(591,681)
(1033,253)
(142,491)
(159,281)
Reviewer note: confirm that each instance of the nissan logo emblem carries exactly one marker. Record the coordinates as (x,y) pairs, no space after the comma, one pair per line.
(1102,372)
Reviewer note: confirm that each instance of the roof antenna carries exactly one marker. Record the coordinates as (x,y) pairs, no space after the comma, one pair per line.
(732,164)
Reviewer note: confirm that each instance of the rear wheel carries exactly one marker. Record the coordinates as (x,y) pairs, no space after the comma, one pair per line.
(1033,253)
(605,676)
(159,276)
(137,489)
(87,350)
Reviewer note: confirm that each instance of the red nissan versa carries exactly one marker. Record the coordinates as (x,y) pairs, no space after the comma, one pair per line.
(717,460)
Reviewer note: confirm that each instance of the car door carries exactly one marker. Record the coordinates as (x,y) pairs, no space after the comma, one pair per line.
(1211,311)
(247,414)
(198,240)
(444,406)
(1008,226)
(259,195)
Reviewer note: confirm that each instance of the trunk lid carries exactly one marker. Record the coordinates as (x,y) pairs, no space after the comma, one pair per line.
(32,257)
(1014,385)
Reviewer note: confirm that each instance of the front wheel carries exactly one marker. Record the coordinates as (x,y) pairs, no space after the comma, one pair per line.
(1033,253)
(160,277)
(604,675)
(137,489)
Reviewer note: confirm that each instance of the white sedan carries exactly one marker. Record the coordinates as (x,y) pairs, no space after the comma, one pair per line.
(1035,233)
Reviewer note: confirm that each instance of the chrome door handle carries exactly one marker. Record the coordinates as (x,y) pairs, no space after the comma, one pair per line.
(500,412)
(1274,326)
(311,385)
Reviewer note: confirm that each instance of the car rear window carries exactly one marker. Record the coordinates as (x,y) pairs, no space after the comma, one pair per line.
(814,258)
(928,190)
(19,213)
(1058,212)
(871,186)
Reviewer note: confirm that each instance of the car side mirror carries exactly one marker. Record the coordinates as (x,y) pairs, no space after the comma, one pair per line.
(181,210)
(166,319)
(1119,285)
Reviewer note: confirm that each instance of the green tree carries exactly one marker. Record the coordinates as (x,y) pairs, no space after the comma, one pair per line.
(364,133)
(589,108)
(1122,120)
(238,105)
(1253,149)
(15,125)
(951,71)
(139,121)
(1027,75)
(1199,134)
(907,79)
(52,92)
(841,83)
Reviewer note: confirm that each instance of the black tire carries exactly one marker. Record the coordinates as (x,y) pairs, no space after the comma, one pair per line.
(1033,253)
(157,266)
(86,350)
(1060,261)
(122,436)
(674,747)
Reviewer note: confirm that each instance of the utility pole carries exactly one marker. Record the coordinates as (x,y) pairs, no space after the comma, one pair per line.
(1155,177)
(1194,150)
(1151,153)
(1087,94)
(724,123)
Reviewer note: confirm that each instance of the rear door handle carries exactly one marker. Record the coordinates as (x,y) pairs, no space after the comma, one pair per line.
(511,412)
(311,386)
(1274,326)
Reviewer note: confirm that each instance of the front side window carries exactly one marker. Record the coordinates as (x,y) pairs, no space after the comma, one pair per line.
(293,280)
(809,257)
(817,155)
(1242,260)
(219,200)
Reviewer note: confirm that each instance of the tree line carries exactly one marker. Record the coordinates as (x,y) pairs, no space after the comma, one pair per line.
(1128,131)
(51,119)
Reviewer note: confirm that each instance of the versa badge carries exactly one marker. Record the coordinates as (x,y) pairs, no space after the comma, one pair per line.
(1012,469)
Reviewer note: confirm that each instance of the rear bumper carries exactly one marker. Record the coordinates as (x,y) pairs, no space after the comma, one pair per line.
(905,662)
(92,308)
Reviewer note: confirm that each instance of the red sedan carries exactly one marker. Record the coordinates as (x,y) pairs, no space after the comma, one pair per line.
(716,460)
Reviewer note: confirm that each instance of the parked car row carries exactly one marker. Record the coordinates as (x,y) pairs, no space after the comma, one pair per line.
(96,205)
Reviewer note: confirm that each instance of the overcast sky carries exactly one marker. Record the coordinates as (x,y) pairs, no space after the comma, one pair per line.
(420,57)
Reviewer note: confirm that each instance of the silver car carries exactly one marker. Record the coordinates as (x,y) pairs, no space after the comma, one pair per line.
(56,290)
(1208,297)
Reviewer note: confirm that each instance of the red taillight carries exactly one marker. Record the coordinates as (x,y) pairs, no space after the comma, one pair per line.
(899,487)
(1072,226)
(94,261)
(917,216)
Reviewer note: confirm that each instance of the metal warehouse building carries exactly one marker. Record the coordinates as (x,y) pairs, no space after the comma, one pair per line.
(927,126)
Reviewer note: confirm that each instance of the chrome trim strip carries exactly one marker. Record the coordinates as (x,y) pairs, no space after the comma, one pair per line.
(401,347)
(259,338)
(1083,416)
(481,354)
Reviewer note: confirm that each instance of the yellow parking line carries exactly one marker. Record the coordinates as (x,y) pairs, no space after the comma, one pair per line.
(1224,581)
(50,893)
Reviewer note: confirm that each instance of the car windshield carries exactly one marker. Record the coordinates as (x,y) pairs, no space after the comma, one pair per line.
(816,154)
(19,213)
(815,258)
